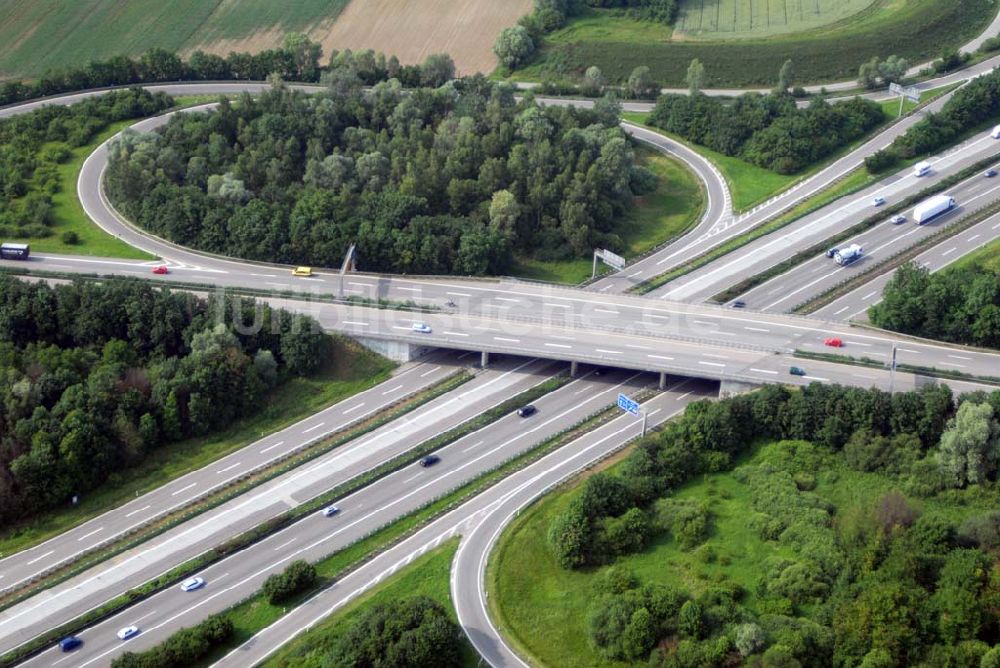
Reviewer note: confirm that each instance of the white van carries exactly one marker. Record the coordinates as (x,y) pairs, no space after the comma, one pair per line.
(921,168)
(996,132)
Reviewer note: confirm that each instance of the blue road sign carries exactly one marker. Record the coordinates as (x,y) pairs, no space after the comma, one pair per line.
(627,404)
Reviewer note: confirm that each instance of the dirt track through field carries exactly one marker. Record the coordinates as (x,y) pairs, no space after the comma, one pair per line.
(414,29)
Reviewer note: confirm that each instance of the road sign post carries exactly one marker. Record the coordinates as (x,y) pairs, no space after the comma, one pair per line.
(632,406)
(911,93)
(613,260)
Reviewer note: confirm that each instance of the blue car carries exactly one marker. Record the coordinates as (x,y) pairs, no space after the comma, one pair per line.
(69,643)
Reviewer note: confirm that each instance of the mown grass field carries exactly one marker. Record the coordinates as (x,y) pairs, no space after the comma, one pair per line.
(70,217)
(723,19)
(543,608)
(43,34)
(666,213)
(915,29)
(426,576)
(350,369)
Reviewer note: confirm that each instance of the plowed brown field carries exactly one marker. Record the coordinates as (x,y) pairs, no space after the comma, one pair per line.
(414,29)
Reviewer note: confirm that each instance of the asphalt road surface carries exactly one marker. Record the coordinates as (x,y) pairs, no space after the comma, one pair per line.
(855,303)
(820,274)
(813,228)
(67,600)
(519,488)
(24,566)
(315,536)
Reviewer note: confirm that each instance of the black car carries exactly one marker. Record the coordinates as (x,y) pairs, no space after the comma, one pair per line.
(527,411)
(739,303)
(429,460)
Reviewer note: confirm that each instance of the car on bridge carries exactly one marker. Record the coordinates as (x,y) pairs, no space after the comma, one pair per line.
(797,371)
(429,460)
(833,342)
(421,327)
(305,272)
(990,173)
(878,200)
(192,584)
(127,632)
(898,219)
(161,270)
(739,303)
(330,511)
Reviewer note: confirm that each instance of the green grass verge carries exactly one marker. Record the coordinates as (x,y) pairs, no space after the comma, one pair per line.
(748,183)
(70,217)
(816,302)
(255,613)
(853,182)
(428,575)
(662,215)
(909,28)
(350,369)
(868,362)
(866,224)
(542,608)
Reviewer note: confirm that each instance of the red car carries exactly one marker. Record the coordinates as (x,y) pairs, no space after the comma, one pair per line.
(833,342)
(162,269)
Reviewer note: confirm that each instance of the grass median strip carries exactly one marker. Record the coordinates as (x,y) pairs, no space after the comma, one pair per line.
(851,183)
(255,613)
(165,523)
(905,368)
(275,524)
(868,223)
(892,262)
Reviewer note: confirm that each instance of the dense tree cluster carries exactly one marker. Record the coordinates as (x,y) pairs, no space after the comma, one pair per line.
(767,130)
(94,377)
(959,305)
(182,649)
(447,180)
(298,59)
(33,145)
(975,103)
(298,577)
(864,585)
(405,633)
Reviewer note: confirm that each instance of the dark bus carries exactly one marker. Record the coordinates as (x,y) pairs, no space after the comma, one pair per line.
(14,251)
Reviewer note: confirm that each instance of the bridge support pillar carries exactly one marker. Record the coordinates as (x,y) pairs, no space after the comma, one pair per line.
(730,388)
(572,369)
(663,380)
(484,359)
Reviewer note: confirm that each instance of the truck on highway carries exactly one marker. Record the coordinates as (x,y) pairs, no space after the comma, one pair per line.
(921,168)
(845,256)
(9,251)
(932,207)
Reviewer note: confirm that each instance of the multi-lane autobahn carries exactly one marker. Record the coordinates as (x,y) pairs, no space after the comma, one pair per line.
(510,317)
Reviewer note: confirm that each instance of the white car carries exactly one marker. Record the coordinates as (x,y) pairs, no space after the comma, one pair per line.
(878,201)
(192,584)
(330,511)
(421,327)
(897,219)
(127,632)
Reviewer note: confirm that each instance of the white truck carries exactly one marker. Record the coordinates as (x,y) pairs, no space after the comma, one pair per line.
(932,207)
(845,256)
(921,168)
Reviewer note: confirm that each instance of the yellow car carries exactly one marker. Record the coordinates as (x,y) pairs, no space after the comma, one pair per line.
(302,271)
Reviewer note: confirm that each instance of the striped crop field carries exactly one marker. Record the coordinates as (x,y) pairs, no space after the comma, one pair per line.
(39,35)
(715,19)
